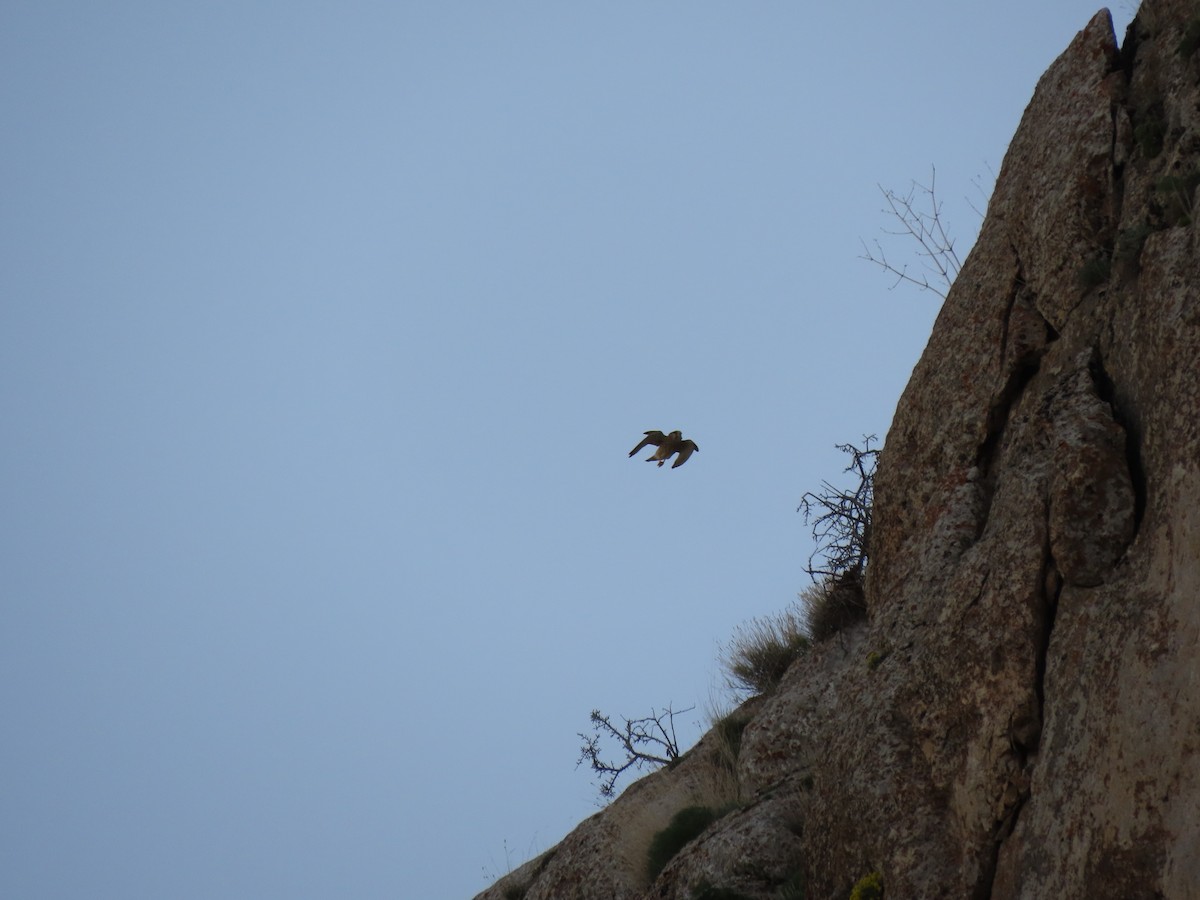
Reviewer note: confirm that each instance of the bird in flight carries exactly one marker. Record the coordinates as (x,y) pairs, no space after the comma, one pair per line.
(668,445)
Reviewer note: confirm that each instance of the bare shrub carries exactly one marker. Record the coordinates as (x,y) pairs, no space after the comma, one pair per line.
(648,741)
(919,214)
(841,518)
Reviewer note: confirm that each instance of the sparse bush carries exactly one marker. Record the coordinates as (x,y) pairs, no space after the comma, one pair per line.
(841,519)
(647,741)
(869,887)
(841,524)
(686,825)
(729,730)
(936,247)
(833,605)
(761,651)
(714,764)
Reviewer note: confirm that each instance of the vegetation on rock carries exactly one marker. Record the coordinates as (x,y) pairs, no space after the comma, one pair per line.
(648,741)
(686,825)
(869,887)
(760,652)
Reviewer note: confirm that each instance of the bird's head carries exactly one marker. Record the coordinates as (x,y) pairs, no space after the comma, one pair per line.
(676,435)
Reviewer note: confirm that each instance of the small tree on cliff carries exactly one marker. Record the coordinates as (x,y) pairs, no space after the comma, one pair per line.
(841,524)
(649,741)
(841,517)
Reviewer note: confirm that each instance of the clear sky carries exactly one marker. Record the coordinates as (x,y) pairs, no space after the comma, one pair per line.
(325,330)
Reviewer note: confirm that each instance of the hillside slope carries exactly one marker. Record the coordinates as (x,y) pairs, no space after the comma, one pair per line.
(1021,715)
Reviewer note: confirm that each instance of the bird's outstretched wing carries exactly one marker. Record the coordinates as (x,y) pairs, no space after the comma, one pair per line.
(685,450)
(652,437)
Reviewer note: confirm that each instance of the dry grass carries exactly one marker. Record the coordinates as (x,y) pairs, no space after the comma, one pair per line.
(702,778)
(833,605)
(760,652)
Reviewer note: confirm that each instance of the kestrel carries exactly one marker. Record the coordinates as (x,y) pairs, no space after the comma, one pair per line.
(668,445)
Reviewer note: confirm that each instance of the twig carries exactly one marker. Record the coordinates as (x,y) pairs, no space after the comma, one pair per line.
(936,246)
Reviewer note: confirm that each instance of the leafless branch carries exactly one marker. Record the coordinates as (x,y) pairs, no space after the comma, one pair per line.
(985,195)
(841,518)
(936,247)
(647,741)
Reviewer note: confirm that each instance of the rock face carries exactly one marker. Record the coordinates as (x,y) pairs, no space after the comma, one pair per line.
(1020,718)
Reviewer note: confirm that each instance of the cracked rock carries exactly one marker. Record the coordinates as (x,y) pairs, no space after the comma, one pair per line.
(1091,491)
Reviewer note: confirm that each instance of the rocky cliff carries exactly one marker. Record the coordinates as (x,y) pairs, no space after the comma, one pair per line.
(1020,717)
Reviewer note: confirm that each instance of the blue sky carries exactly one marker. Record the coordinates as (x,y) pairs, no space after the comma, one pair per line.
(325,330)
